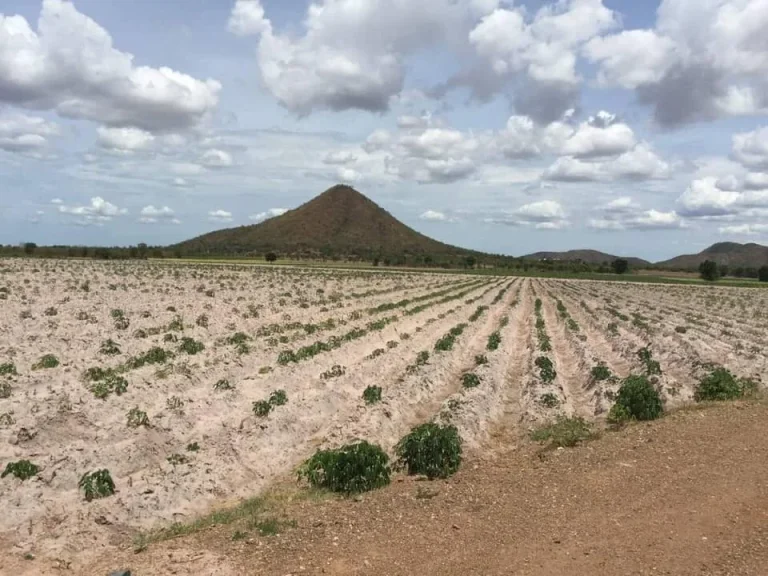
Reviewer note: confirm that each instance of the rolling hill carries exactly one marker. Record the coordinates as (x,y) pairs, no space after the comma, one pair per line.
(731,254)
(586,256)
(340,222)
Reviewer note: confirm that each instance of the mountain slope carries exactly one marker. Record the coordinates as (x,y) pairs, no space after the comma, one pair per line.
(586,256)
(338,222)
(732,254)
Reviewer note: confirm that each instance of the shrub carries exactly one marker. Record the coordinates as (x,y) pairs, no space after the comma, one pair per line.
(372,394)
(422,358)
(720,385)
(110,384)
(618,415)
(431,450)
(222,385)
(493,341)
(191,346)
(652,367)
(481,359)
(564,432)
(547,370)
(278,398)
(601,372)
(639,399)
(137,418)
(262,408)
(351,469)
(154,355)
(335,372)
(109,348)
(97,485)
(23,470)
(549,400)
(46,362)
(470,380)
(8,369)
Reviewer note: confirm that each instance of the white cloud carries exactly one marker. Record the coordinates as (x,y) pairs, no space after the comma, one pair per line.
(702,60)
(542,215)
(751,148)
(340,157)
(592,139)
(216,159)
(640,163)
(744,230)
(97,212)
(434,216)
(220,216)
(271,213)
(20,132)
(247,18)
(625,214)
(70,65)
(703,198)
(151,215)
(124,139)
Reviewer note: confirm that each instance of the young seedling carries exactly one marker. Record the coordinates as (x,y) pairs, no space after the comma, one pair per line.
(98,484)
(372,395)
(23,470)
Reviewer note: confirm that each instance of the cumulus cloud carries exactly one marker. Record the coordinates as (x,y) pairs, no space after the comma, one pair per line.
(151,215)
(625,214)
(640,163)
(220,216)
(216,159)
(744,230)
(542,215)
(271,213)
(97,212)
(124,139)
(350,55)
(751,148)
(69,64)
(434,216)
(700,61)
(20,132)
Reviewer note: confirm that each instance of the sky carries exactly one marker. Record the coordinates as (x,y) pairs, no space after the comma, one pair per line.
(633,127)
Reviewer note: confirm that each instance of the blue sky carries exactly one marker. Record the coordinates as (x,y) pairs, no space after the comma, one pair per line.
(631,127)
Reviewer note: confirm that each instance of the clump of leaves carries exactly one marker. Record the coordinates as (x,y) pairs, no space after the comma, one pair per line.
(494,340)
(175,404)
(430,449)
(335,372)
(111,384)
(351,469)
(637,399)
(549,400)
(193,447)
(46,362)
(223,385)
(202,321)
(154,355)
(481,359)
(97,484)
(137,418)
(8,369)
(262,408)
(372,394)
(191,346)
(547,370)
(564,432)
(652,367)
(22,469)
(177,459)
(278,398)
(176,325)
(601,372)
(109,348)
(470,380)
(721,385)
(122,323)
(392,344)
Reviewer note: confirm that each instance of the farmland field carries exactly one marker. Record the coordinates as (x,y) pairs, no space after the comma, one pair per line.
(195,385)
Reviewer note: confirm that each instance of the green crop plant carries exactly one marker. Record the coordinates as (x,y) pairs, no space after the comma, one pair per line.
(546,368)
(549,400)
(564,432)
(223,385)
(262,408)
(22,469)
(278,398)
(137,418)
(494,341)
(652,367)
(8,369)
(351,469)
(720,384)
(481,359)
(109,348)
(97,484)
(372,395)
(191,346)
(46,362)
(637,399)
(430,449)
(601,372)
(335,371)
(470,380)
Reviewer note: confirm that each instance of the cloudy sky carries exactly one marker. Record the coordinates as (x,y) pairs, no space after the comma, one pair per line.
(635,127)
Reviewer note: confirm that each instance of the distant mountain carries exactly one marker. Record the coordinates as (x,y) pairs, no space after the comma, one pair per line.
(339,222)
(733,254)
(586,256)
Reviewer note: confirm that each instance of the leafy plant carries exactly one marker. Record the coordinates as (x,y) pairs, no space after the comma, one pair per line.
(481,359)
(470,380)
(546,369)
(351,469)
(5,390)
(176,325)
(638,399)
(720,385)
(137,418)
(223,385)
(335,372)
(422,358)
(601,372)
(372,394)
(430,449)
(564,432)
(154,355)
(8,369)
(494,340)
(109,348)
(191,346)
(111,384)
(46,362)
(278,398)
(22,469)
(652,367)
(193,447)
(177,459)
(262,408)
(97,484)
(175,404)
(549,400)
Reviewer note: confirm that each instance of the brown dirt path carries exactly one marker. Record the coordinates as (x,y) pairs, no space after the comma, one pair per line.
(687,495)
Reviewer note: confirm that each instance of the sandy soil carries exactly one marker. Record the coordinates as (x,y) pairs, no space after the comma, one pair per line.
(52,418)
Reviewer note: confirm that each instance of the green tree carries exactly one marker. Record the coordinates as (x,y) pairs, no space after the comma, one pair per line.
(723,270)
(29,248)
(620,266)
(270,257)
(709,270)
(762,274)
(470,261)
(142,249)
